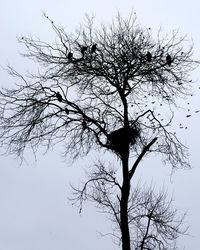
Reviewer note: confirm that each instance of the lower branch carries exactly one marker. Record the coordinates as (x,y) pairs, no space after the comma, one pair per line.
(145,149)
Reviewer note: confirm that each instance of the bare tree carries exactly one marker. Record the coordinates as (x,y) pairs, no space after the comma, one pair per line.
(101,89)
(153,222)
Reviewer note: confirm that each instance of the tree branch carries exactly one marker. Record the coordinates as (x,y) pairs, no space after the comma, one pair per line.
(145,149)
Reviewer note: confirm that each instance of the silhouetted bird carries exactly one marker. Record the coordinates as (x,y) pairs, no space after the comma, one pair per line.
(149,56)
(66,110)
(84,125)
(168,60)
(59,97)
(83,50)
(94,48)
(70,55)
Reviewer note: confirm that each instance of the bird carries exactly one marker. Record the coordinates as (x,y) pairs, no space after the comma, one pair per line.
(188,116)
(59,97)
(83,50)
(168,60)
(84,125)
(66,110)
(94,48)
(149,56)
(70,55)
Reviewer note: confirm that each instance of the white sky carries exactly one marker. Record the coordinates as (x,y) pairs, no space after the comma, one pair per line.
(34,211)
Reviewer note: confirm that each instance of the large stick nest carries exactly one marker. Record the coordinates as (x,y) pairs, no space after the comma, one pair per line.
(119,139)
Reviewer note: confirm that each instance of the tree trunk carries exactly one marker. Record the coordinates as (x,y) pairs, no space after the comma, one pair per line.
(124,217)
(124,206)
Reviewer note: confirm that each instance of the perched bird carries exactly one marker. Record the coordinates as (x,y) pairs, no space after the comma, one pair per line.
(66,110)
(59,97)
(168,60)
(149,56)
(83,50)
(84,125)
(70,55)
(94,48)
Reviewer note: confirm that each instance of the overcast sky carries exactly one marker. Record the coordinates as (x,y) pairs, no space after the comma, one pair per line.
(34,211)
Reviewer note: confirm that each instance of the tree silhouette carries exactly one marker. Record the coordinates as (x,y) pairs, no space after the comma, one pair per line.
(153,222)
(106,95)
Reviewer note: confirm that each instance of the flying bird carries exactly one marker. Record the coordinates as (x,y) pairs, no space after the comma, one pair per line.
(94,48)
(70,55)
(149,56)
(59,97)
(168,60)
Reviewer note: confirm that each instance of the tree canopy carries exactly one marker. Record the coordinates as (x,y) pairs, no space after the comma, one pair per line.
(112,88)
(100,91)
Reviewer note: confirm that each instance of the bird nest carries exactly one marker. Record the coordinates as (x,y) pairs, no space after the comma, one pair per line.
(119,139)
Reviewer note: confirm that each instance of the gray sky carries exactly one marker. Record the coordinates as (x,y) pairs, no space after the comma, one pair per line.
(34,211)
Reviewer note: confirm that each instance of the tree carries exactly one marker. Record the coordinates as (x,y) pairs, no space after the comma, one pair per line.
(106,98)
(152,220)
